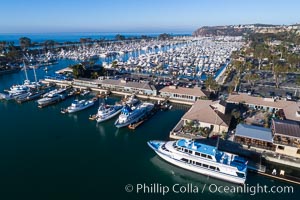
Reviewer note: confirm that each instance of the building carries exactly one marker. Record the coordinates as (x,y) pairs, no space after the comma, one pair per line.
(204,114)
(182,93)
(255,136)
(142,87)
(286,137)
(289,109)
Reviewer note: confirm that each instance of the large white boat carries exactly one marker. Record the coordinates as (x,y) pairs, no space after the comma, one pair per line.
(131,115)
(106,112)
(203,159)
(132,101)
(51,97)
(78,105)
(18,89)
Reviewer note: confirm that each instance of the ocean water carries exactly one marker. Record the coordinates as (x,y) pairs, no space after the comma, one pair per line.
(47,155)
(73,37)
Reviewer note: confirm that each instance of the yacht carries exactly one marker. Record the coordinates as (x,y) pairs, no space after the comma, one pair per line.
(17,89)
(78,105)
(106,112)
(132,101)
(30,96)
(51,97)
(15,95)
(203,159)
(131,115)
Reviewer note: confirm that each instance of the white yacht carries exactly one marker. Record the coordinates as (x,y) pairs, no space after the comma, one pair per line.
(131,115)
(17,89)
(51,97)
(132,101)
(78,105)
(203,159)
(106,112)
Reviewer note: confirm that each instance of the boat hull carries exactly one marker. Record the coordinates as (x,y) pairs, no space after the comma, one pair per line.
(79,109)
(146,110)
(99,120)
(199,170)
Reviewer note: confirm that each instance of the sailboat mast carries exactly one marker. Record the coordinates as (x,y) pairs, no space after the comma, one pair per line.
(35,78)
(26,76)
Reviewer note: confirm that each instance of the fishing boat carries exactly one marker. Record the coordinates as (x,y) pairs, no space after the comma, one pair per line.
(203,159)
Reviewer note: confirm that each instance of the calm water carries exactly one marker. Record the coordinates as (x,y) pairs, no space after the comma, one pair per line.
(73,37)
(47,155)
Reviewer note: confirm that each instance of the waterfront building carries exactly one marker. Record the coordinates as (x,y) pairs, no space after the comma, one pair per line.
(289,109)
(286,137)
(141,87)
(280,144)
(204,115)
(254,136)
(182,93)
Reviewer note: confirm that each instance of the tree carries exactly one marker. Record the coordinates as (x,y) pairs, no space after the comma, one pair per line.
(78,70)
(114,64)
(2,46)
(278,70)
(164,36)
(236,81)
(239,67)
(119,37)
(251,78)
(94,75)
(25,42)
(236,114)
(230,89)
(211,84)
(49,44)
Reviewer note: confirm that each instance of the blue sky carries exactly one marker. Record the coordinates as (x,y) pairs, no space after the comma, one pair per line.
(45,16)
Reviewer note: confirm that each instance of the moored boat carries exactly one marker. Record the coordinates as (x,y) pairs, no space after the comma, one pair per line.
(203,159)
(106,112)
(131,115)
(51,97)
(78,105)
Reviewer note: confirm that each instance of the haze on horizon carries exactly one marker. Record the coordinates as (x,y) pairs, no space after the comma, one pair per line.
(35,16)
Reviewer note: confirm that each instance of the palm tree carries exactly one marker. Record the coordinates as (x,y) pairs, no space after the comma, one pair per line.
(210,83)
(94,75)
(78,70)
(230,89)
(236,81)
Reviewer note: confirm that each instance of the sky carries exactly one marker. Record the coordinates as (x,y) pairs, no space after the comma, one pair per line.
(50,16)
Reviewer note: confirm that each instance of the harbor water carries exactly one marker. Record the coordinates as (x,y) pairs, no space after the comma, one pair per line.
(48,155)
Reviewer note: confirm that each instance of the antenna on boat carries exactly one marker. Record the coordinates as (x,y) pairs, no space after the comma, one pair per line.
(35,78)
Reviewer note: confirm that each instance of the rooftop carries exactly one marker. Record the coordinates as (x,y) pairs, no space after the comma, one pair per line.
(196,91)
(120,82)
(202,148)
(204,111)
(286,127)
(254,132)
(289,107)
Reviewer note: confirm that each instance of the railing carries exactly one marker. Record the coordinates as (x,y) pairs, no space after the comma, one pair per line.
(287,143)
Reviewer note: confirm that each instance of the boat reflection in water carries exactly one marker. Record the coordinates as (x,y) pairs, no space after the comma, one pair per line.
(184,177)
